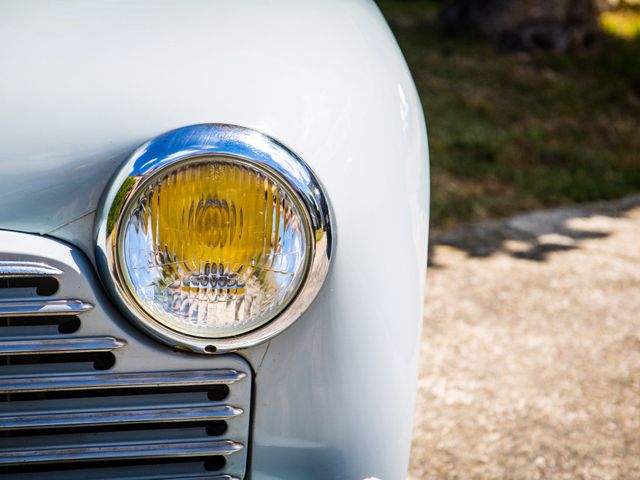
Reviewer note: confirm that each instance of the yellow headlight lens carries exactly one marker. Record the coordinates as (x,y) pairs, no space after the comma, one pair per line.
(213,247)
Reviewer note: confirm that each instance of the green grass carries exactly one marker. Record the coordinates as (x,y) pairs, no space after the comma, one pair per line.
(514,131)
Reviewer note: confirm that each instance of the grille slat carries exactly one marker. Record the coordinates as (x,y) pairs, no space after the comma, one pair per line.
(110,475)
(52,345)
(107,451)
(16,420)
(9,269)
(44,383)
(129,473)
(35,308)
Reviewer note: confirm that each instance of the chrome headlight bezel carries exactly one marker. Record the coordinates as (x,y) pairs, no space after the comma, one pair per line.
(235,143)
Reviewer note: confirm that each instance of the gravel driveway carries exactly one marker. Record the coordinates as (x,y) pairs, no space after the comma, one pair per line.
(531,349)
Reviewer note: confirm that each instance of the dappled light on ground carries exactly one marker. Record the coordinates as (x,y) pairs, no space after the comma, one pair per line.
(531,370)
(532,236)
(622,23)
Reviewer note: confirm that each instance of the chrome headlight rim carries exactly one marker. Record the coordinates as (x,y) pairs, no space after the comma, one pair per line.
(237,144)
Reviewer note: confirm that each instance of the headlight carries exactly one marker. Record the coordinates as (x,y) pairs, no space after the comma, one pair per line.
(214,237)
(213,247)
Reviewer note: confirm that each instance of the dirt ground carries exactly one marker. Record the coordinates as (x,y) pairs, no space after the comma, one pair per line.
(531,349)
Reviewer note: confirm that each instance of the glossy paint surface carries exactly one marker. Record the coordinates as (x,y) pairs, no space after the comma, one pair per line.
(84,83)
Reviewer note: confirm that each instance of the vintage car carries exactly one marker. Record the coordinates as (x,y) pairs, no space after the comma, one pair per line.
(213,236)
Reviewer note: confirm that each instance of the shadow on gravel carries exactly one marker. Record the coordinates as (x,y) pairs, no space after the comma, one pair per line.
(531,236)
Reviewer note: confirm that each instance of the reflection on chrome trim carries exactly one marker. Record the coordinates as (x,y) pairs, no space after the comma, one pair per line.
(29,308)
(45,345)
(9,269)
(231,142)
(111,451)
(187,476)
(48,383)
(132,415)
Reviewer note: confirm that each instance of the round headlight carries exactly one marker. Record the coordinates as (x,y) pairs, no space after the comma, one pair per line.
(214,237)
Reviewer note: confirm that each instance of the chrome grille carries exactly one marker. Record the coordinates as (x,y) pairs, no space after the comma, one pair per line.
(83,395)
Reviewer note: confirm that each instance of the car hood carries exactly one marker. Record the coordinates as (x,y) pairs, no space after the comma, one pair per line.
(84,83)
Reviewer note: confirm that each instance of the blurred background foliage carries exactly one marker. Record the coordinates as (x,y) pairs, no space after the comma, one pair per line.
(514,127)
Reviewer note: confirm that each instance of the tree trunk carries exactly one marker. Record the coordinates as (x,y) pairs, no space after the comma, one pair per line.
(554,25)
